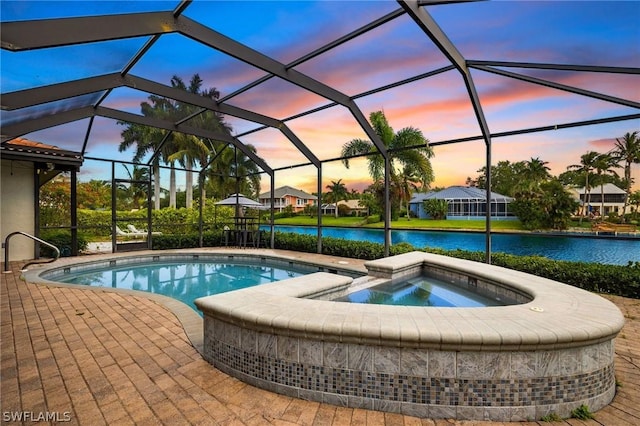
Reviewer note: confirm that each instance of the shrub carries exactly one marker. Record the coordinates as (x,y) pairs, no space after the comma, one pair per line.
(287,212)
(62,240)
(436,208)
(96,223)
(190,240)
(374,218)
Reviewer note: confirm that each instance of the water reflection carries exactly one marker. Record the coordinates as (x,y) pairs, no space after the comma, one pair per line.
(420,291)
(184,281)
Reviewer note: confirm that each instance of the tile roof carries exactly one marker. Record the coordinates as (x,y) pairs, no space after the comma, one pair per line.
(27,150)
(288,190)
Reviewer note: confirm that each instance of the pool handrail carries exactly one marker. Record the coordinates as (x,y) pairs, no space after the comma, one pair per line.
(5,245)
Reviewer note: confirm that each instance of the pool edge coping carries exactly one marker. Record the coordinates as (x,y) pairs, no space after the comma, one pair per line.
(558,316)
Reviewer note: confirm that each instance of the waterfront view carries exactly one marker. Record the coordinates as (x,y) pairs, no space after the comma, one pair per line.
(607,250)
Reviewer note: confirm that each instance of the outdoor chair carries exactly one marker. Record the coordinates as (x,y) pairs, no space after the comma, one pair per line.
(121,233)
(135,230)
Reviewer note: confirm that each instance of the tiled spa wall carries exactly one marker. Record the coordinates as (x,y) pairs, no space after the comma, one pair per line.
(499,386)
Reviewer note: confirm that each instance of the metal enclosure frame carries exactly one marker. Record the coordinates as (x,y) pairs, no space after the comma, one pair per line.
(31,35)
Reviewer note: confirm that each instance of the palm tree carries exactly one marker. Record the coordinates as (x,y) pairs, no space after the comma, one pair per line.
(408,182)
(532,175)
(396,145)
(192,149)
(136,192)
(146,140)
(634,200)
(627,149)
(189,151)
(586,166)
(604,165)
(536,170)
(337,192)
(184,149)
(233,171)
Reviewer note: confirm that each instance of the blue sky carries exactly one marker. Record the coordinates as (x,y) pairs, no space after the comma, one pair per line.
(585,33)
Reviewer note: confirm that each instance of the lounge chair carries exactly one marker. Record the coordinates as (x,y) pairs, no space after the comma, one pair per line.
(134,230)
(121,233)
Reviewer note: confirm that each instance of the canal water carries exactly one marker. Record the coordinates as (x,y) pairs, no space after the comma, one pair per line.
(607,250)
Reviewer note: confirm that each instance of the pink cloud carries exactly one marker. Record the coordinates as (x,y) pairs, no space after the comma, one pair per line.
(603,145)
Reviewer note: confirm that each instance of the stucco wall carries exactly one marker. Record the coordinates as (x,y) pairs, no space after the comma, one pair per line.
(17,213)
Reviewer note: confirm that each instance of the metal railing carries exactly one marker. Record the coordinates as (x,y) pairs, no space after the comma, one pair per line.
(5,245)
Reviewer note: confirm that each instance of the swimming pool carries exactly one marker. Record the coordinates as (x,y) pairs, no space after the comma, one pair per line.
(420,291)
(184,278)
(607,250)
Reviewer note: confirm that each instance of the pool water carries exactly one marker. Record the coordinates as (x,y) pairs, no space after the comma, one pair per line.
(184,281)
(419,291)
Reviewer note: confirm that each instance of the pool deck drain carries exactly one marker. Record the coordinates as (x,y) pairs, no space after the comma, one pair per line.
(102,357)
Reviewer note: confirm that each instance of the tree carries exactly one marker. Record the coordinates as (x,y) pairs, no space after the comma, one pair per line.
(549,206)
(309,209)
(146,140)
(529,188)
(604,165)
(373,199)
(172,146)
(337,192)
(436,208)
(55,202)
(232,171)
(94,195)
(407,182)
(136,191)
(586,167)
(634,200)
(535,172)
(190,149)
(627,150)
(399,151)
(505,177)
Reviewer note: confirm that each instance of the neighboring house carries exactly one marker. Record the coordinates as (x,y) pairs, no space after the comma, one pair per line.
(328,209)
(353,205)
(614,198)
(26,166)
(464,203)
(288,196)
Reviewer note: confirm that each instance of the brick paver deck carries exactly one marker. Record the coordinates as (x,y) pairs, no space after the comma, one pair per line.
(97,357)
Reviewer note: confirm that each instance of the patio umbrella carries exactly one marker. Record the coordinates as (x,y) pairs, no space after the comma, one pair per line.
(240,200)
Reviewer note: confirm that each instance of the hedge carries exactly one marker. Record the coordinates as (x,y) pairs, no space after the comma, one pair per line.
(192,240)
(612,279)
(168,221)
(62,240)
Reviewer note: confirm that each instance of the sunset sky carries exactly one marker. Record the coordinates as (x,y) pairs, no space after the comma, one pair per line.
(600,33)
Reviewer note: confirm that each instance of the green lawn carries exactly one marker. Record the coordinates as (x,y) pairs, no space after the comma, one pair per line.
(403,223)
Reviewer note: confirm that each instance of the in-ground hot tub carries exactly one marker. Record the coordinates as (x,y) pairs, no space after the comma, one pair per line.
(549,352)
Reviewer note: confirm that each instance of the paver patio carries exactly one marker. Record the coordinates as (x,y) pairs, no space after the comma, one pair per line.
(98,357)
